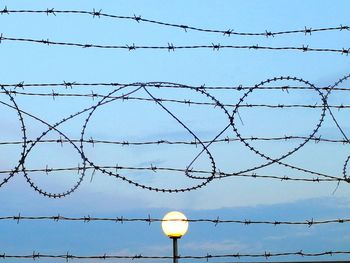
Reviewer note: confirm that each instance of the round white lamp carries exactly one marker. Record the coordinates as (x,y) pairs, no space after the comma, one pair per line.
(175,225)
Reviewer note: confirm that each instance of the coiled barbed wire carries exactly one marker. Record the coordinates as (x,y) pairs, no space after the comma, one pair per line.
(189,171)
(98,13)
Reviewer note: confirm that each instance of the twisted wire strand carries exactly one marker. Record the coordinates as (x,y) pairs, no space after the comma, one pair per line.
(188,102)
(159,85)
(216,221)
(228,32)
(218,175)
(92,141)
(69,256)
(25,154)
(171,47)
(189,171)
(106,100)
(251,148)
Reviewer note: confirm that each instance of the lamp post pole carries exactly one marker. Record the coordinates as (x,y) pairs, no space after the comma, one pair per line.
(175,251)
(175,225)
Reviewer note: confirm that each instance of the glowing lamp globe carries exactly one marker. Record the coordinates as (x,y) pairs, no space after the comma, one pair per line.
(174,224)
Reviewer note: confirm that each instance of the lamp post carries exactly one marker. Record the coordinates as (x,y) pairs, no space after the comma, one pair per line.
(175,225)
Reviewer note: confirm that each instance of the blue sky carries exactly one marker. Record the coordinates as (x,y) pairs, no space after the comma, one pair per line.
(239,198)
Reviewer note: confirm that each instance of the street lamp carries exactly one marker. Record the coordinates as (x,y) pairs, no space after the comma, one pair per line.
(174,225)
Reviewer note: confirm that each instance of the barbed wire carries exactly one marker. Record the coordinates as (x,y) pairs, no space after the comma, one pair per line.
(153,168)
(228,32)
(69,256)
(215,173)
(122,219)
(156,84)
(188,170)
(188,102)
(194,143)
(172,47)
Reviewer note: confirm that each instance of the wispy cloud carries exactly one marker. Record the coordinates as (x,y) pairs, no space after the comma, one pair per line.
(222,246)
(296,234)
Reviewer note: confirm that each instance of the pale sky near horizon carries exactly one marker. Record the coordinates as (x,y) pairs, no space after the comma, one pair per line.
(133,120)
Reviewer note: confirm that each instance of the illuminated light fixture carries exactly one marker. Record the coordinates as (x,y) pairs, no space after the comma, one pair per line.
(175,225)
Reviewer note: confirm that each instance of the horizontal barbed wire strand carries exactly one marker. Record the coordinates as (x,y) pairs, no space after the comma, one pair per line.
(71,85)
(121,219)
(213,174)
(165,141)
(69,256)
(171,47)
(54,94)
(218,175)
(94,13)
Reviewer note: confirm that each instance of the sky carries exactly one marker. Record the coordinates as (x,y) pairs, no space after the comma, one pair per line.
(132,120)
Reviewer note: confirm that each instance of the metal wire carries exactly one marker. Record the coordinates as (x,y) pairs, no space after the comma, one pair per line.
(228,32)
(188,102)
(171,47)
(164,141)
(188,171)
(68,256)
(123,219)
(160,85)
(218,175)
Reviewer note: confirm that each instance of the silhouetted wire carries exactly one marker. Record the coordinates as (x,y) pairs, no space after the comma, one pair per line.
(270,160)
(159,85)
(172,47)
(216,221)
(256,151)
(170,142)
(93,95)
(341,80)
(106,100)
(228,32)
(24,154)
(153,168)
(69,256)
(189,171)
